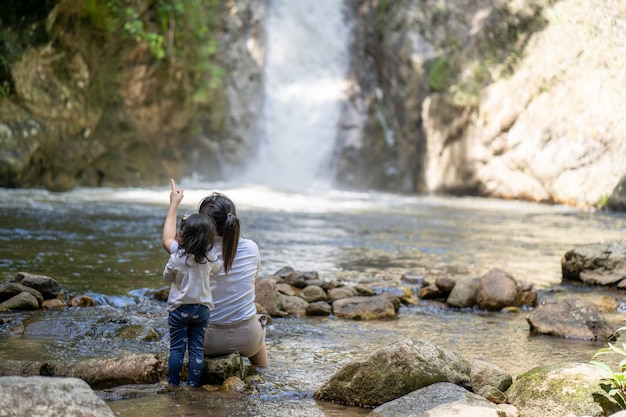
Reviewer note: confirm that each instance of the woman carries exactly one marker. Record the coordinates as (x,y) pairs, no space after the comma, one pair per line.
(235,325)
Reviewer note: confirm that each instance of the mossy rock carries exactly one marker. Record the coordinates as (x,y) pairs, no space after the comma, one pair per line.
(564,389)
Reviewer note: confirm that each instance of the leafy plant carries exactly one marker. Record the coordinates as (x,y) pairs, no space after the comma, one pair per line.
(614,384)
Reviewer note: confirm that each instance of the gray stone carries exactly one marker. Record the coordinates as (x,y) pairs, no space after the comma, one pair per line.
(394,371)
(441,400)
(565,390)
(39,396)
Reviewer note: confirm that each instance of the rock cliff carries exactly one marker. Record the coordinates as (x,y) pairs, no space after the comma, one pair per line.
(500,98)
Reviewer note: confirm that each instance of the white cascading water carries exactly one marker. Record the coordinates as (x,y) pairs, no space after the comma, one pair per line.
(304,76)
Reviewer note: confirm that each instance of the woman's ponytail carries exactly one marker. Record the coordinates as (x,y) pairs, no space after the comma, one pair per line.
(222,210)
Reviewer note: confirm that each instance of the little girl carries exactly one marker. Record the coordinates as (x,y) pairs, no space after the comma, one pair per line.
(188,269)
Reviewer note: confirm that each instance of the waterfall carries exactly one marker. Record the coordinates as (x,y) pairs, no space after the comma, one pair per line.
(304,75)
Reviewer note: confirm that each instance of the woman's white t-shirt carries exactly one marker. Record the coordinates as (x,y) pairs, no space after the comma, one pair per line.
(234,293)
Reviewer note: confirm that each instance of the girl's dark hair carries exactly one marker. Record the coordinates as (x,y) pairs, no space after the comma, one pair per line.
(197,236)
(222,210)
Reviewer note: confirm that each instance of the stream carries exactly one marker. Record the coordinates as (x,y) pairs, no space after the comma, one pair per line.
(106,243)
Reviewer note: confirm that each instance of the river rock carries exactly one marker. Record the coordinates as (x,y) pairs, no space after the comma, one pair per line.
(564,390)
(445,285)
(48,287)
(285,289)
(364,290)
(268,297)
(496,290)
(21,301)
(319,308)
(596,264)
(313,293)
(294,305)
(39,396)
(338,293)
(570,318)
(463,294)
(441,400)
(484,373)
(364,308)
(219,369)
(394,371)
(298,279)
(11,289)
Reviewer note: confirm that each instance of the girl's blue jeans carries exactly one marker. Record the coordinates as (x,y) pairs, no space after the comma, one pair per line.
(187,325)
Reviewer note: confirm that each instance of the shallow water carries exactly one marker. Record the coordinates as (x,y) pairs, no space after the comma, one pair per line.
(106,243)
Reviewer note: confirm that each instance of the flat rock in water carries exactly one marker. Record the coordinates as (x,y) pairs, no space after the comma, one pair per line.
(40,396)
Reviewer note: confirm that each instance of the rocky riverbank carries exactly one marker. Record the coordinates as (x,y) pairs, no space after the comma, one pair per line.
(415,362)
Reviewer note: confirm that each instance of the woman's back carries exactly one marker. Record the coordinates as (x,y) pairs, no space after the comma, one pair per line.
(234,292)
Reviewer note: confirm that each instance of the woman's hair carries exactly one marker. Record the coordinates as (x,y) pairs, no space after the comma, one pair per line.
(222,210)
(197,236)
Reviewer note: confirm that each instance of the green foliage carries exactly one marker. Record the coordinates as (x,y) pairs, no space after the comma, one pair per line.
(439,74)
(20,28)
(614,383)
(181,33)
(604,201)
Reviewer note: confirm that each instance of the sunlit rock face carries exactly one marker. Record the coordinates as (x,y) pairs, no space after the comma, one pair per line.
(473,97)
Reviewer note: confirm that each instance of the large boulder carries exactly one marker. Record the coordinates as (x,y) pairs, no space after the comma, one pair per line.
(47,286)
(570,318)
(564,390)
(394,371)
(39,396)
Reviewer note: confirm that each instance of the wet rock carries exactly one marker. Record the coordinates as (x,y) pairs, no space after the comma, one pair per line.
(48,287)
(496,290)
(50,397)
(442,400)
(82,301)
(23,301)
(218,369)
(364,308)
(394,371)
(571,318)
(12,289)
(57,329)
(564,390)
(234,384)
(596,264)
(137,332)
